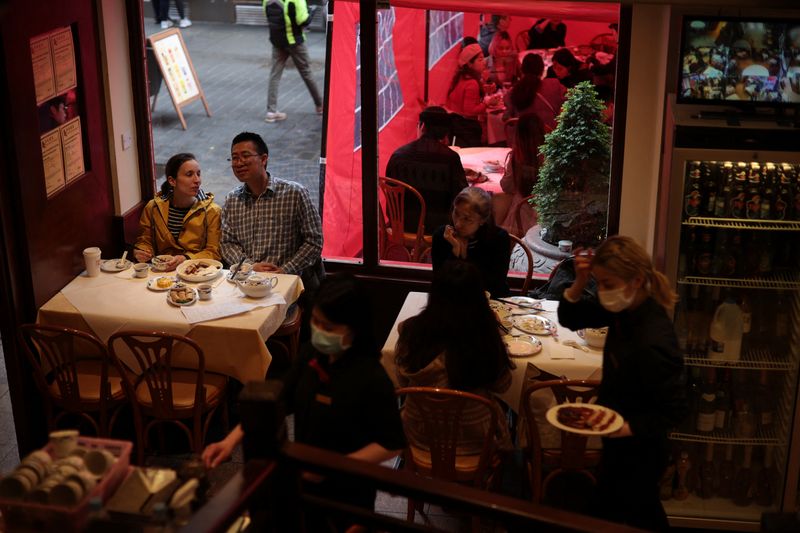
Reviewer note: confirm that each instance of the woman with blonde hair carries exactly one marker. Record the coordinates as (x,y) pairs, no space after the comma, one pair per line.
(643,375)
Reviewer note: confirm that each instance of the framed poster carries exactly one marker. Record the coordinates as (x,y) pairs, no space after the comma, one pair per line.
(177,70)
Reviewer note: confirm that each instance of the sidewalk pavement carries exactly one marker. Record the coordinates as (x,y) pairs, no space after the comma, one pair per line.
(232,63)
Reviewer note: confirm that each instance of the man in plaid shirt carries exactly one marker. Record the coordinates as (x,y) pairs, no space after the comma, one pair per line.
(267,221)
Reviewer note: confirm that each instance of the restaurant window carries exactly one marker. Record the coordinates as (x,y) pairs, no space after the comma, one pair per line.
(414,73)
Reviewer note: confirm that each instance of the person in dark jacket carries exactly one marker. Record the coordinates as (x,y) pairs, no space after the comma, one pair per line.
(287,19)
(546,33)
(643,374)
(431,167)
(474,237)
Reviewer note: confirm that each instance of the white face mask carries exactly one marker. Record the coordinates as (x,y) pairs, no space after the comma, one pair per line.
(615,300)
(328,343)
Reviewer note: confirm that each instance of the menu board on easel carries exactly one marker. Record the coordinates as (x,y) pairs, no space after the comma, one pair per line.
(55,80)
(177,69)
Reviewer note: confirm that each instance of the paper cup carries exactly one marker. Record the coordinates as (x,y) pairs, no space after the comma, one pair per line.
(64,442)
(91,256)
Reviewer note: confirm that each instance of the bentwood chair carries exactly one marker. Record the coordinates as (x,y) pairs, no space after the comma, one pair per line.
(549,458)
(443,411)
(285,342)
(160,392)
(71,370)
(396,243)
(529,256)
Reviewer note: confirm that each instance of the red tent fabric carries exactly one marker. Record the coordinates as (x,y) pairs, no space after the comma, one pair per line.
(342,215)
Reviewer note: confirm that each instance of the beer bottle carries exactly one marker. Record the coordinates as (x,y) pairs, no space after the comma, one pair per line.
(768,193)
(725,173)
(753,196)
(711,187)
(707,474)
(783,194)
(693,200)
(738,208)
(705,253)
(795,178)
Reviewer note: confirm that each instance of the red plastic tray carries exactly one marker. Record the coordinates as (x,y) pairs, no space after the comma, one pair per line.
(40,517)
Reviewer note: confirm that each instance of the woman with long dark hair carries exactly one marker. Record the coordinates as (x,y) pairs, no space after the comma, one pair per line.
(532,94)
(182,220)
(454,343)
(567,69)
(521,173)
(475,238)
(341,397)
(643,375)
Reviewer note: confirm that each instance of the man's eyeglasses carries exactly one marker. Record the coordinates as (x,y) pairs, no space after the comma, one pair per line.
(242,157)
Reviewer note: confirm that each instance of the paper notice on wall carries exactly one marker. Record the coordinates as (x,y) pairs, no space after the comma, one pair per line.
(63,59)
(42,61)
(53,162)
(72,146)
(177,72)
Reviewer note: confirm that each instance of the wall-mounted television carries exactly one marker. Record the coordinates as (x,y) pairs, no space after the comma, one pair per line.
(735,61)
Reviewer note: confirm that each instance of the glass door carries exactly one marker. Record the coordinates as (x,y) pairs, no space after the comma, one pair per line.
(736,272)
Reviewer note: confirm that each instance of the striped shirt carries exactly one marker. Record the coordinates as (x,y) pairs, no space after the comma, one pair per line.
(175,220)
(281,227)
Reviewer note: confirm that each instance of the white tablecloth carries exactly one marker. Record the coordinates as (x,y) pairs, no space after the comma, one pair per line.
(582,365)
(233,345)
(474,158)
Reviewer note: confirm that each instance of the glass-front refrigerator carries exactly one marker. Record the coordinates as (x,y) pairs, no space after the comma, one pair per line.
(733,254)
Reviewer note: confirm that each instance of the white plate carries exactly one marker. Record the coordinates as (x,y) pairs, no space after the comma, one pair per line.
(529,303)
(522,346)
(152,284)
(110,265)
(190,302)
(616,423)
(533,324)
(209,270)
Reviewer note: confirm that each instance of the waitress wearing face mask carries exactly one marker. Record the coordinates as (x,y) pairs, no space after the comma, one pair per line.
(643,375)
(341,396)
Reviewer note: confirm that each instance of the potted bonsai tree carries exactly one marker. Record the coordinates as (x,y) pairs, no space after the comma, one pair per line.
(571,194)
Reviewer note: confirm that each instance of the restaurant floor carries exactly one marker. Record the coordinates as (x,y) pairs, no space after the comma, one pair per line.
(233,63)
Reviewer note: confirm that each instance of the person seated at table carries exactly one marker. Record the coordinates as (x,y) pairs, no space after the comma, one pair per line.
(475,238)
(546,33)
(643,374)
(489,28)
(428,165)
(182,220)
(534,94)
(466,97)
(339,392)
(269,221)
(567,69)
(454,343)
(521,173)
(503,64)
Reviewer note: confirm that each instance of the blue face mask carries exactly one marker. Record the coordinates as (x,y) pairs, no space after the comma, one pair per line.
(327,343)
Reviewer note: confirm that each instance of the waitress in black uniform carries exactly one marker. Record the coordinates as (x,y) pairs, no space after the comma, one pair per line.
(643,375)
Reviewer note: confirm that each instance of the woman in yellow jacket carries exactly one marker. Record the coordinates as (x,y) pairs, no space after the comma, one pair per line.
(182,220)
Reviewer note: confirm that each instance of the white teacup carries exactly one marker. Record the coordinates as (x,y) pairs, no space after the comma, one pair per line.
(64,442)
(91,258)
(140,270)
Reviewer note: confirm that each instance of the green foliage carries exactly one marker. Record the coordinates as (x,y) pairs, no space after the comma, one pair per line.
(571,194)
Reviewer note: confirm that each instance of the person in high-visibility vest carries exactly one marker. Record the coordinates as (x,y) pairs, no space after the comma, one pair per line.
(287,19)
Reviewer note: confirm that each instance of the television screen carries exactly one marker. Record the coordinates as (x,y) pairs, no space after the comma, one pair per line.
(729,60)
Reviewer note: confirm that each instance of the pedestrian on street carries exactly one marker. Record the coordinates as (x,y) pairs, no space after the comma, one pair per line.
(287,20)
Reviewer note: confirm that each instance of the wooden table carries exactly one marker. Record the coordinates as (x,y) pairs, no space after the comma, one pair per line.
(233,345)
(583,365)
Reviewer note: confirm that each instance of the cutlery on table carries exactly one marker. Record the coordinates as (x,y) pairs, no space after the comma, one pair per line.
(121,262)
(236,267)
(520,304)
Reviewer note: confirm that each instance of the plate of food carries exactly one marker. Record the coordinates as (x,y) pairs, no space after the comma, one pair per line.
(115,265)
(522,345)
(594,337)
(198,270)
(496,306)
(181,295)
(504,318)
(475,176)
(161,283)
(533,324)
(585,418)
(161,262)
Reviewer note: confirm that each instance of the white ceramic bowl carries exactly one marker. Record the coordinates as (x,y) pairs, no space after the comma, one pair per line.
(257,285)
(595,337)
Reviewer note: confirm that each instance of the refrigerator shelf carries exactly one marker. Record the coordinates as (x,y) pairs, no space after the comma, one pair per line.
(751,360)
(727,437)
(738,223)
(780,280)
